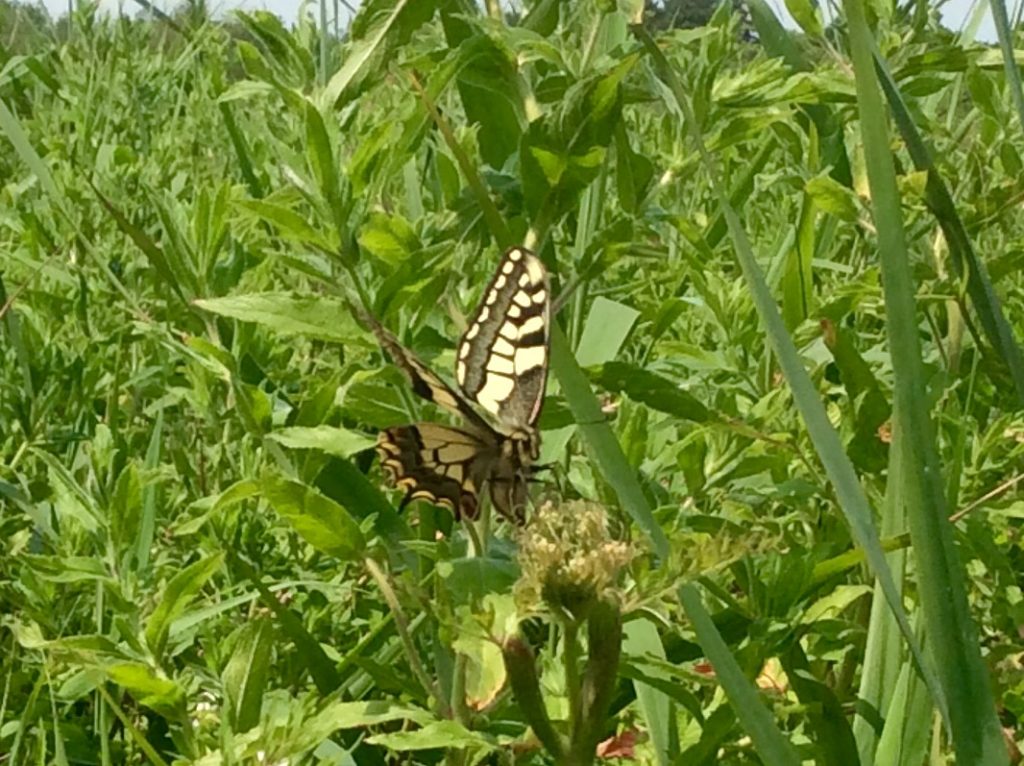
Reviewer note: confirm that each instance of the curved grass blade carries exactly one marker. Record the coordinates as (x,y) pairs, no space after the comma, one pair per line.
(852,500)
(961,249)
(966,700)
(771,745)
(604,447)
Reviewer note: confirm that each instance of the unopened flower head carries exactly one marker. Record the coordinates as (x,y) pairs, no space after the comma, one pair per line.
(568,558)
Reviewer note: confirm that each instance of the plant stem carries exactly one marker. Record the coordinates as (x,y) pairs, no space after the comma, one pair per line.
(458,701)
(571,661)
(402,624)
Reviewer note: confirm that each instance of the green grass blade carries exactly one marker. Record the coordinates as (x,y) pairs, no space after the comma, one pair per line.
(147,524)
(952,636)
(963,255)
(1005,34)
(599,437)
(771,744)
(641,639)
(883,655)
(852,500)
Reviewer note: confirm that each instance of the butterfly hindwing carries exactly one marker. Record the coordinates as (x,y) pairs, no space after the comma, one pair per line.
(503,355)
(502,366)
(438,463)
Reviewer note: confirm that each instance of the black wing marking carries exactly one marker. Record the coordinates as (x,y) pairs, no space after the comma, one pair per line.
(437,463)
(503,355)
(423,380)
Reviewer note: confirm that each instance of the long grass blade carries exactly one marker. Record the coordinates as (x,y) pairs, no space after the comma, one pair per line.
(963,255)
(852,500)
(1005,34)
(773,747)
(952,636)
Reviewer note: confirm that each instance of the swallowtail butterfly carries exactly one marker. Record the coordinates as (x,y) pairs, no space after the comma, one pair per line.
(502,366)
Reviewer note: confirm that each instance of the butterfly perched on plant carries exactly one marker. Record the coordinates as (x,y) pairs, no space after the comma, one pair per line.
(502,366)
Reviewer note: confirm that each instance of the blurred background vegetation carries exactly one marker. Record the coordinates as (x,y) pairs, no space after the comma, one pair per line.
(786,397)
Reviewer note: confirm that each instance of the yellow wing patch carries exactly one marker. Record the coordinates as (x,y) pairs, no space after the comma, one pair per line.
(501,364)
(503,356)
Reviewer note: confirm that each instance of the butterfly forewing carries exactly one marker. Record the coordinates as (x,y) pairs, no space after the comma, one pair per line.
(502,366)
(424,382)
(437,463)
(503,355)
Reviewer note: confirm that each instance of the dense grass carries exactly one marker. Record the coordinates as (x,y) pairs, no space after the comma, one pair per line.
(783,424)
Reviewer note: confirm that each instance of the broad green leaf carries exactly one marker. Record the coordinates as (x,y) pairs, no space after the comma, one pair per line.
(320,156)
(806,14)
(833,198)
(471,579)
(246,673)
(489,87)
(150,689)
(289,224)
(126,505)
(657,392)
(70,500)
(437,734)
(379,26)
(604,331)
(67,568)
(831,606)
(315,316)
(359,715)
(485,672)
(177,595)
(389,238)
(319,520)
(329,439)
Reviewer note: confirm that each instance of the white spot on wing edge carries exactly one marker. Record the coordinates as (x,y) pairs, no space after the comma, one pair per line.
(533,324)
(500,364)
(496,389)
(530,358)
(535,269)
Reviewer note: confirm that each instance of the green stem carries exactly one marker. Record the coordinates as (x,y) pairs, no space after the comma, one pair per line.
(521,666)
(571,661)
(402,624)
(458,701)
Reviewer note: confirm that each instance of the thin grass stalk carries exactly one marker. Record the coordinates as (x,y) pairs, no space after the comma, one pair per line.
(841,473)
(1005,34)
(966,698)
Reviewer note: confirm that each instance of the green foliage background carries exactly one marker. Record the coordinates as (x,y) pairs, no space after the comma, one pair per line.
(786,359)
